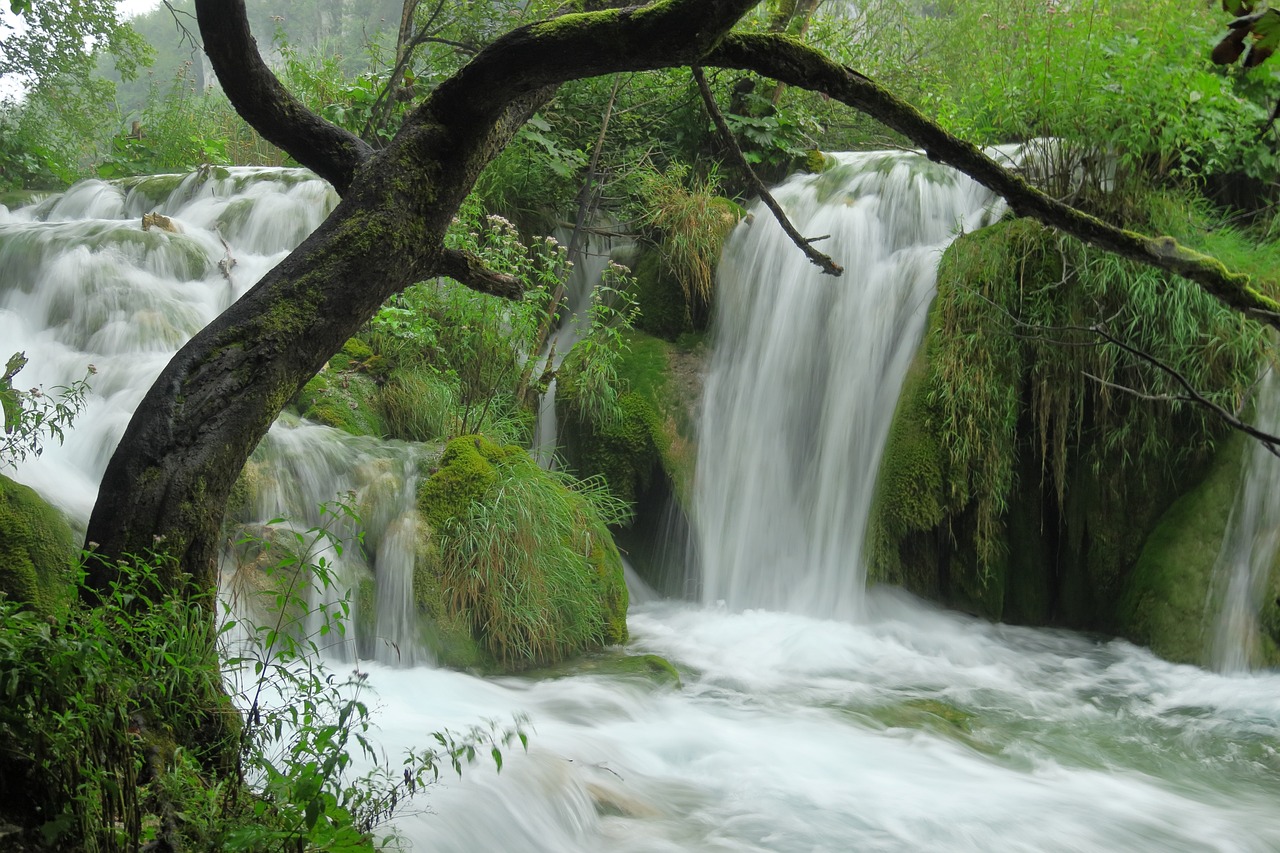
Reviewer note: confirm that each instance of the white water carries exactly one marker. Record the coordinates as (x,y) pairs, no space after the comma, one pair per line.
(909,730)
(1251,542)
(806,374)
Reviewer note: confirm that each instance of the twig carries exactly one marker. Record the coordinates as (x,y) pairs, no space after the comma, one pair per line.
(1269,441)
(828,266)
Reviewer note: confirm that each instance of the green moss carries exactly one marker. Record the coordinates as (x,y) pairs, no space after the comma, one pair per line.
(345,400)
(518,566)
(664,312)
(1163,604)
(651,438)
(37,548)
(815,161)
(1013,486)
(909,493)
(464,475)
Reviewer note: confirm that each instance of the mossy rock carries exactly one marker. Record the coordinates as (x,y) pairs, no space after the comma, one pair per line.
(650,668)
(814,162)
(529,576)
(446,632)
(1165,599)
(37,548)
(464,474)
(924,713)
(651,437)
(343,399)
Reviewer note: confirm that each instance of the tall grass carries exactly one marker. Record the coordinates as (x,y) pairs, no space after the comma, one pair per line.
(533,563)
(691,222)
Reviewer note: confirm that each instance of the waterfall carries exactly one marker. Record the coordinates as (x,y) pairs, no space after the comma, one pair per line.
(806,373)
(1250,542)
(85,284)
(912,730)
(589,264)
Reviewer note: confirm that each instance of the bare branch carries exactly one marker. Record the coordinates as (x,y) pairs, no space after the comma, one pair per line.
(825,262)
(467,269)
(1269,441)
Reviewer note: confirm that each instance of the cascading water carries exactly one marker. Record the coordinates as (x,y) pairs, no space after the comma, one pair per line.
(84,283)
(911,730)
(1250,543)
(806,374)
(588,267)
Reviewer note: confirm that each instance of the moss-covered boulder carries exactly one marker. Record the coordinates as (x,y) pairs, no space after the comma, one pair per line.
(1172,598)
(1016,485)
(37,548)
(1164,604)
(651,435)
(646,454)
(518,561)
(664,312)
(343,398)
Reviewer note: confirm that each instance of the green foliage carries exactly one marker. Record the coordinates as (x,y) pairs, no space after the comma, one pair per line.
(1012,347)
(97,699)
(645,437)
(525,553)
(178,131)
(459,361)
(1127,80)
(60,37)
(32,417)
(690,223)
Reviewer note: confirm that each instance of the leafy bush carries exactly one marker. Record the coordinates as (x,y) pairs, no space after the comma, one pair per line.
(97,699)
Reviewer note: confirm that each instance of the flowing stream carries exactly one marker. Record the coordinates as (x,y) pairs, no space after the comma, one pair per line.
(812,717)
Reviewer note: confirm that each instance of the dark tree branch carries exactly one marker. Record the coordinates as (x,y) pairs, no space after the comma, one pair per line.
(467,269)
(796,64)
(331,152)
(1269,441)
(824,262)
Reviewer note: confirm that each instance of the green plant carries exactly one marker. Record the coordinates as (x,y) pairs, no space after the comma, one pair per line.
(97,696)
(526,553)
(1013,349)
(690,223)
(33,416)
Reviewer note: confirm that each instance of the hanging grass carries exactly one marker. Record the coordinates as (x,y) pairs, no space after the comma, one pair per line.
(692,222)
(1011,348)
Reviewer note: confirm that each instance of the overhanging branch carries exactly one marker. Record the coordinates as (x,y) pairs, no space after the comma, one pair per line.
(467,269)
(796,64)
(824,262)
